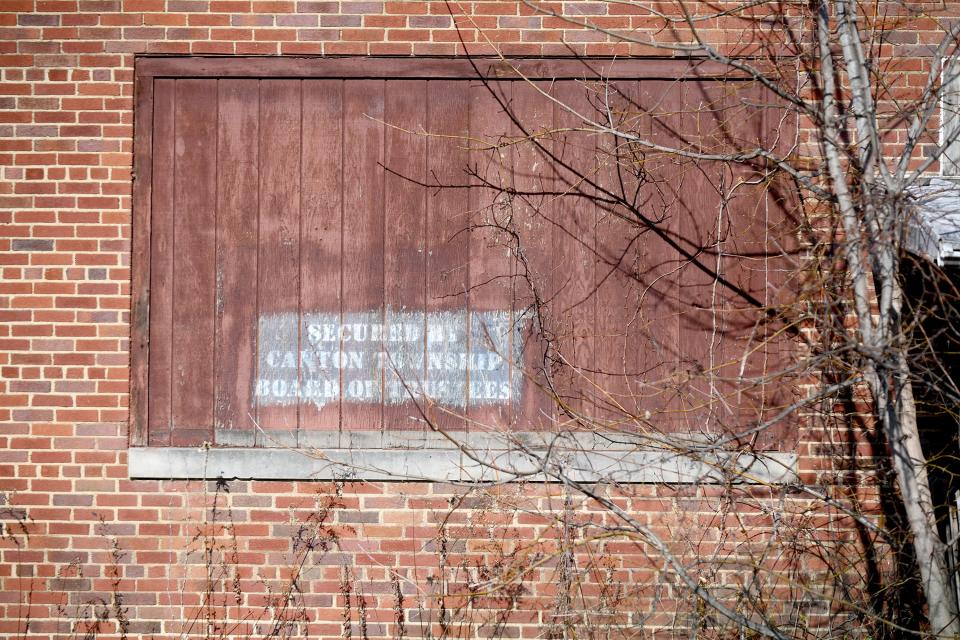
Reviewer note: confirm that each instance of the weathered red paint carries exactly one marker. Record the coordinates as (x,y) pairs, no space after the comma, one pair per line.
(323,194)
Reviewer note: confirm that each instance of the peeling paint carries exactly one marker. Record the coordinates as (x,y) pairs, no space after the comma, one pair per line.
(452,358)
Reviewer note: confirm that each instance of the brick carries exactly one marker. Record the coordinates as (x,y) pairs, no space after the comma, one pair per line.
(38,20)
(69,584)
(297,21)
(187,5)
(339,21)
(430,22)
(66,101)
(143,5)
(318,7)
(32,244)
(349,7)
(256,48)
(408,35)
(275,34)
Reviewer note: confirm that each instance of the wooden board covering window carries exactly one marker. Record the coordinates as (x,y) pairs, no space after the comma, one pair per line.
(271,192)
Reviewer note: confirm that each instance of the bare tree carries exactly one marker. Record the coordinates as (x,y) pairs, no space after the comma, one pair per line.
(845,144)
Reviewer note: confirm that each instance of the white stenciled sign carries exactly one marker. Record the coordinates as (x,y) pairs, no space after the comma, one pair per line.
(453,358)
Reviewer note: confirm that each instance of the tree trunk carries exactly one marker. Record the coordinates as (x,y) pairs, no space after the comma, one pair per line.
(898,415)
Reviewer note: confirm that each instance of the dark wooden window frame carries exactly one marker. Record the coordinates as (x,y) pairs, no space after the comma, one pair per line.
(443,463)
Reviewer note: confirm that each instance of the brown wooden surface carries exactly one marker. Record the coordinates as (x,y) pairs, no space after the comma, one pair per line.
(321,223)
(533,212)
(291,198)
(194,238)
(573,265)
(363,230)
(490,262)
(741,231)
(447,242)
(279,255)
(161,261)
(618,288)
(765,239)
(238,162)
(140,263)
(702,225)
(657,384)
(405,253)
(367,67)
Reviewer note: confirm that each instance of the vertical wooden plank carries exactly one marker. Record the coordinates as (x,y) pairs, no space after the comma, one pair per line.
(705,228)
(405,155)
(491,318)
(533,181)
(731,126)
(193,249)
(363,244)
(320,258)
(620,353)
(573,281)
(660,189)
(278,261)
(783,271)
(750,250)
(759,250)
(140,262)
(160,374)
(236,261)
(448,254)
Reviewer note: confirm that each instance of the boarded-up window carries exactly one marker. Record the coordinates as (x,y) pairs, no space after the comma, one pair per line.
(325,248)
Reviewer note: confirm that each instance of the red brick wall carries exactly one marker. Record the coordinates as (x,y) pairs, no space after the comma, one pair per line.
(66,127)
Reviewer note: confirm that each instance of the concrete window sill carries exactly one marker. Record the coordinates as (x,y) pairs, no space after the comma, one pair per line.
(479,458)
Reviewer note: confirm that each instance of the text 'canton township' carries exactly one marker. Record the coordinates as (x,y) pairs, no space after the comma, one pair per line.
(452,358)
